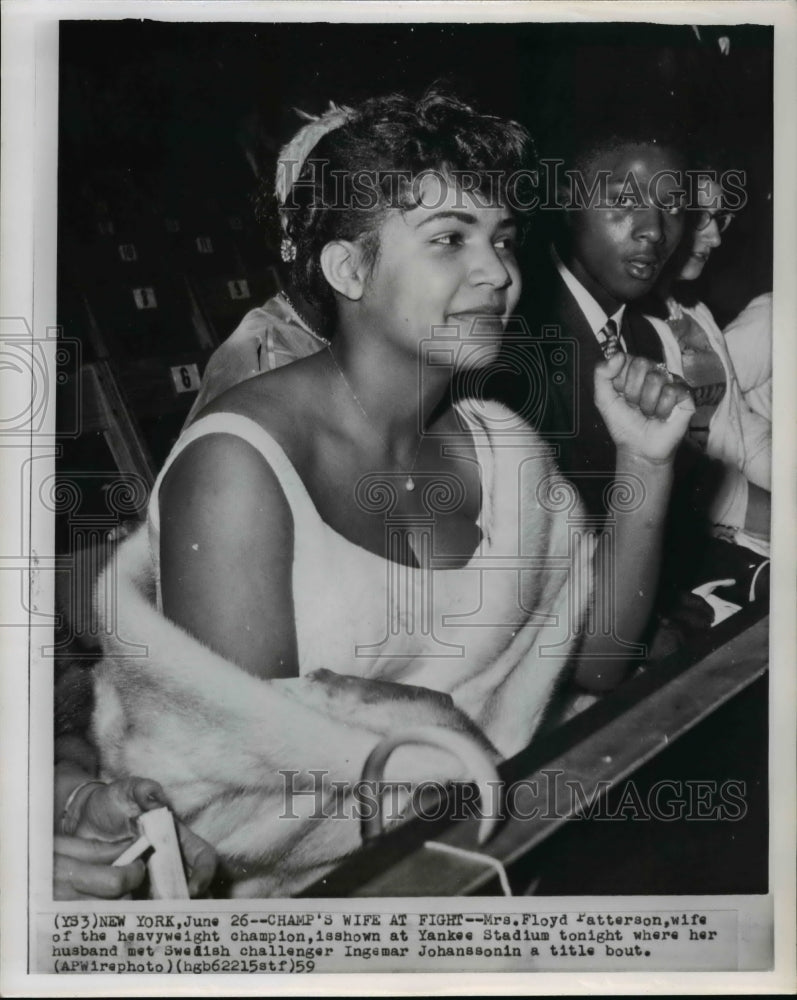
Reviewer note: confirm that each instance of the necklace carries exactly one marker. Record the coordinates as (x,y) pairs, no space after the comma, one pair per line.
(409,482)
(302,319)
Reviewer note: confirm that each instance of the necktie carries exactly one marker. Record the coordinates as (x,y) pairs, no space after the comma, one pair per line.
(609,339)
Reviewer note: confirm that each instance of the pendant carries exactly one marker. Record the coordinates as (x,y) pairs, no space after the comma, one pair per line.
(409,484)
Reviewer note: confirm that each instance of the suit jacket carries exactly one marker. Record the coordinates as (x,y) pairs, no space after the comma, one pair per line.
(562,404)
(546,375)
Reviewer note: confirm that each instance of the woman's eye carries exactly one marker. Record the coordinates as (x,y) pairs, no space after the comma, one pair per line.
(448,239)
(506,243)
(673,209)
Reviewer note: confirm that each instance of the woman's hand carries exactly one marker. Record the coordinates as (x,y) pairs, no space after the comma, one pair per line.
(646,412)
(109,812)
(107,827)
(83,869)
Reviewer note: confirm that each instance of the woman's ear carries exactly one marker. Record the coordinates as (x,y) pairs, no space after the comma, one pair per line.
(342,264)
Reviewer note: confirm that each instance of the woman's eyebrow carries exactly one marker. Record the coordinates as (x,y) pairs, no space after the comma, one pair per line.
(465,217)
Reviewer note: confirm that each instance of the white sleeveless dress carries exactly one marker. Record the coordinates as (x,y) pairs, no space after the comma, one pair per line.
(452,630)
(494,634)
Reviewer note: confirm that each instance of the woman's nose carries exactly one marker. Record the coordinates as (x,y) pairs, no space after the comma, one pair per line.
(711,234)
(490,268)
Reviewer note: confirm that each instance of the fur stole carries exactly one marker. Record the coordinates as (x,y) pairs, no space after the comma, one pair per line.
(263,769)
(255,767)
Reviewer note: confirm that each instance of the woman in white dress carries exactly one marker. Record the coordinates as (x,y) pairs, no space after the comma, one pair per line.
(336,552)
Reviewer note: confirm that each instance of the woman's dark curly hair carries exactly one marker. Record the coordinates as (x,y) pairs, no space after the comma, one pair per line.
(359,171)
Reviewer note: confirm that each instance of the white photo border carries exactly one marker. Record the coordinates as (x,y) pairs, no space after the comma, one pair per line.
(27,293)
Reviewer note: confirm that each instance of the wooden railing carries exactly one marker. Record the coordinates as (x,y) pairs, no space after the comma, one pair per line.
(596,749)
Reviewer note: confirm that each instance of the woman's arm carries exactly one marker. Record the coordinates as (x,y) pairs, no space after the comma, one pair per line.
(627,567)
(226,552)
(647,416)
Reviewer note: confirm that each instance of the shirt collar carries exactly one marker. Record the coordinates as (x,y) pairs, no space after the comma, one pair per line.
(593,313)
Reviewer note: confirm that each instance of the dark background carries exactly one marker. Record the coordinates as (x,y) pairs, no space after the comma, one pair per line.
(169,133)
(166,116)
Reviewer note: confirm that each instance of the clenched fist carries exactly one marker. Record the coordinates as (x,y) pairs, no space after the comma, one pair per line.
(646,411)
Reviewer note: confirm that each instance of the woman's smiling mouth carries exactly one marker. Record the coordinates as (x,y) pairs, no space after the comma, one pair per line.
(483,319)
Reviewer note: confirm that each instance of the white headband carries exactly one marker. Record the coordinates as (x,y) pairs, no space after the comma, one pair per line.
(293,154)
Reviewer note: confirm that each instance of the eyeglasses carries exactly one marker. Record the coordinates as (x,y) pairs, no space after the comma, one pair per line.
(705,217)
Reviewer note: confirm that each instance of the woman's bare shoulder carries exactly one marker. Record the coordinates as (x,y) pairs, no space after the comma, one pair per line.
(227,467)
(283,402)
(222,480)
(226,545)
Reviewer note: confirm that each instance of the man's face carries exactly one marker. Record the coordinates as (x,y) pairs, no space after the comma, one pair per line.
(619,245)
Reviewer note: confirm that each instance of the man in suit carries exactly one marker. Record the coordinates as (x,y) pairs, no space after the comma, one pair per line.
(618,219)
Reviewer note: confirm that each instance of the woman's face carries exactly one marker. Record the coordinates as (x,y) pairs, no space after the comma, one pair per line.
(448,262)
(709,197)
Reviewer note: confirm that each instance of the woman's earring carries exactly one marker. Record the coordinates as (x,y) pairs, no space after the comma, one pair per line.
(288,250)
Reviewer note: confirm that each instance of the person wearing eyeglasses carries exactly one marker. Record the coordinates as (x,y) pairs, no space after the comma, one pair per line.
(724,427)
